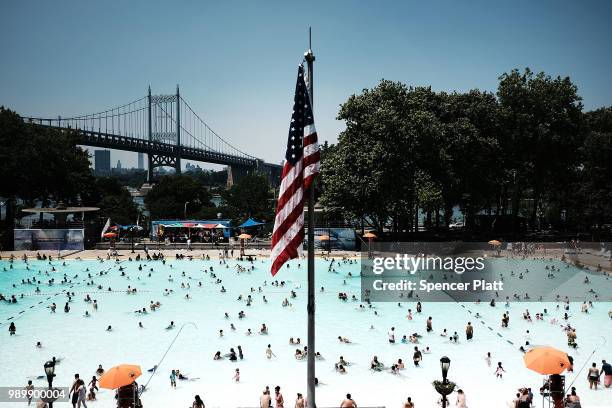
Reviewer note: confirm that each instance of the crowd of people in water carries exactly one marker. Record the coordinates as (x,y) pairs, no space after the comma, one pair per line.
(82,390)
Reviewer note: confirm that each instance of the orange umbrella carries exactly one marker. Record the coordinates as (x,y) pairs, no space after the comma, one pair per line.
(546,360)
(494,242)
(369,235)
(119,376)
(244,236)
(324,238)
(110,235)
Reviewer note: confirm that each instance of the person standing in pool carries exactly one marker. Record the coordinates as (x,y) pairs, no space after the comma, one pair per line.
(469,331)
(417,356)
(499,371)
(173,379)
(461,399)
(593,376)
(278,397)
(348,402)
(299,402)
(197,402)
(429,324)
(12,329)
(73,391)
(29,388)
(392,335)
(265,401)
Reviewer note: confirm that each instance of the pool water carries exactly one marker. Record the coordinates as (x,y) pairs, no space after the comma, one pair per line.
(83,342)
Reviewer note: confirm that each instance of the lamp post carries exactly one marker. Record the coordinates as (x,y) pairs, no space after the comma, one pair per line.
(444,365)
(132,237)
(185,210)
(50,372)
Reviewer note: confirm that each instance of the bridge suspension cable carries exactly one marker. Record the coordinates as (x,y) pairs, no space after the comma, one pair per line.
(160,118)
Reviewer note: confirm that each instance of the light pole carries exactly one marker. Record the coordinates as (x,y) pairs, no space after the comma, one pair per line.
(185,210)
(132,237)
(50,372)
(444,365)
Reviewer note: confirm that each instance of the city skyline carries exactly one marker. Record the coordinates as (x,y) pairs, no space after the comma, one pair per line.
(238,74)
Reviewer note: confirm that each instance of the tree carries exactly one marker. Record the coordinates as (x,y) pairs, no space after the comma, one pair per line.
(38,163)
(251,197)
(168,197)
(541,117)
(114,200)
(592,201)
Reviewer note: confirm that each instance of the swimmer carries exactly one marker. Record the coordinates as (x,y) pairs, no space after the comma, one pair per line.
(269,353)
(499,371)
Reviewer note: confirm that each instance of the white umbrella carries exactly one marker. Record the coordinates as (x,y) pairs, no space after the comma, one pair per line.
(221,226)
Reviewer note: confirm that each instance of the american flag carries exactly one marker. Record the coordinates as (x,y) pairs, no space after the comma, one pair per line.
(301,166)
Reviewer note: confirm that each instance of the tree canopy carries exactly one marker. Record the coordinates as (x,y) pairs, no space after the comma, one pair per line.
(167,198)
(526,152)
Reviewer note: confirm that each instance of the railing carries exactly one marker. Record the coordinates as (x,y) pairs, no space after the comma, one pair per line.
(48,224)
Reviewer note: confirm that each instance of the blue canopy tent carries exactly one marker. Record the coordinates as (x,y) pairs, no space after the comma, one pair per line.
(250,223)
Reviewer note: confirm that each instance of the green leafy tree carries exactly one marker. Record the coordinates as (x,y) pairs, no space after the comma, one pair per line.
(251,197)
(113,199)
(541,117)
(168,197)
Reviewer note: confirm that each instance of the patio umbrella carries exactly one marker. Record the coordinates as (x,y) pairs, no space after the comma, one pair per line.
(546,360)
(244,236)
(221,226)
(494,242)
(118,376)
(369,235)
(323,237)
(110,235)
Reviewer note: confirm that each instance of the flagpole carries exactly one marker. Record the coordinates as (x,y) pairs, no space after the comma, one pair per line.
(310,376)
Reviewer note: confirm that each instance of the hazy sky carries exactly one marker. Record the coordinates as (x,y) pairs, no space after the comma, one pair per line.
(236,61)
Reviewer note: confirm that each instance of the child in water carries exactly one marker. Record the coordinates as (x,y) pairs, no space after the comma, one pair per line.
(499,371)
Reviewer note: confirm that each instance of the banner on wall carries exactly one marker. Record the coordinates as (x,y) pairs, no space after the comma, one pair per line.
(49,239)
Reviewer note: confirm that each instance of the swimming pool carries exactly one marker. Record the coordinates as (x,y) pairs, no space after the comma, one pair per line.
(84,343)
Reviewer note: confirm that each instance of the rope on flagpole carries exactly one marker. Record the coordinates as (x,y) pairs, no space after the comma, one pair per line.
(156,367)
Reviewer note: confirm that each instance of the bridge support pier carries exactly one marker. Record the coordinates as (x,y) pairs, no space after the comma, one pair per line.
(150,168)
(236,173)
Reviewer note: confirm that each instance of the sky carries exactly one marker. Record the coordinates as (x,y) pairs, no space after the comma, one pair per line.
(236,61)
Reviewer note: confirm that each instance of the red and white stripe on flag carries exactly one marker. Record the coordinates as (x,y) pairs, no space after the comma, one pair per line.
(301,166)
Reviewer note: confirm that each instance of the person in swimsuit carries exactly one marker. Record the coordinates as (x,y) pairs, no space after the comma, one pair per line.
(348,402)
(265,401)
(29,388)
(197,402)
(499,371)
(278,397)
(593,376)
(299,402)
(173,379)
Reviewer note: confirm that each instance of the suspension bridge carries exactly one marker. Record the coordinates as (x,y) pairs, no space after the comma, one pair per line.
(164,127)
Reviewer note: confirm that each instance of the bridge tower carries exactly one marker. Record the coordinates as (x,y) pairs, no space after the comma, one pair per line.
(164,125)
(177,165)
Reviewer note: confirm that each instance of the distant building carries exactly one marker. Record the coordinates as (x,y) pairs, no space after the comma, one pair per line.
(190,167)
(140,161)
(118,165)
(102,161)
